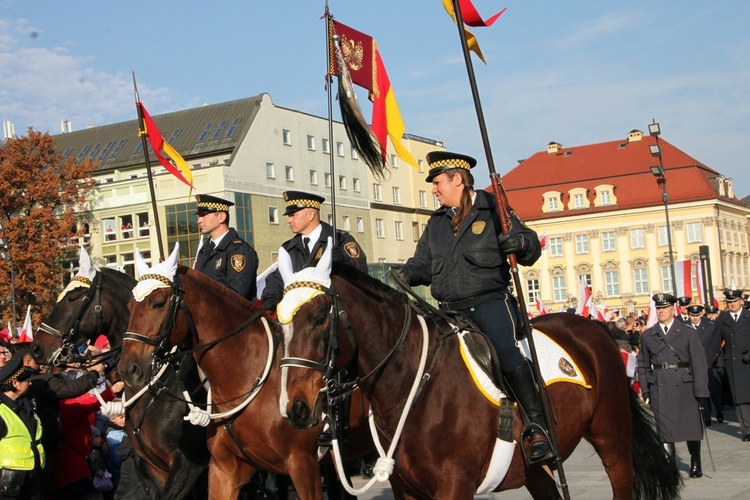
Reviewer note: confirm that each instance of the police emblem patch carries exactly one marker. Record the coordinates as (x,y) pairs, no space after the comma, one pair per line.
(238,262)
(566,367)
(218,263)
(478,226)
(352,249)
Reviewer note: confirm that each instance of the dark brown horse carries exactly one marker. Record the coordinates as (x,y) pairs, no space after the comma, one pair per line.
(229,338)
(171,452)
(448,436)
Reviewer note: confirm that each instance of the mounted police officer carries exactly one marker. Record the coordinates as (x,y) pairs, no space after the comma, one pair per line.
(309,242)
(735,330)
(21,451)
(673,375)
(226,257)
(462,255)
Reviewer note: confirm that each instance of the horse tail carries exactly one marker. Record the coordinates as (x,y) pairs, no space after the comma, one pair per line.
(655,477)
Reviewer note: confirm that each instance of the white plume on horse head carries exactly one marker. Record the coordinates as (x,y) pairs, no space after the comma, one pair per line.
(85,268)
(166,269)
(285,266)
(323,267)
(308,278)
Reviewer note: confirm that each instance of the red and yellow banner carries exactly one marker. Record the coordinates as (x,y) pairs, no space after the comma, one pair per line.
(179,168)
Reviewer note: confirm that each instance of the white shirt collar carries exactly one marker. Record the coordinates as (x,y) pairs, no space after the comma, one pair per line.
(218,240)
(314,236)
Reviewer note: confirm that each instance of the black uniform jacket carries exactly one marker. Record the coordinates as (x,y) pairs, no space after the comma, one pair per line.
(736,334)
(467,263)
(352,252)
(233,263)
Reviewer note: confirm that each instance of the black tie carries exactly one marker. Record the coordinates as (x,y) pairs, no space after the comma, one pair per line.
(305,245)
(734,315)
(666,329)
(211,246)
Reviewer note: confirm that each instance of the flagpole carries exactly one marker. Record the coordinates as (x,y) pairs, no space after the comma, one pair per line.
(502,208)
(329,82)
(142,132)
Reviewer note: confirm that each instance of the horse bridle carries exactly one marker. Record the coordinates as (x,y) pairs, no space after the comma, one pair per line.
(67,352)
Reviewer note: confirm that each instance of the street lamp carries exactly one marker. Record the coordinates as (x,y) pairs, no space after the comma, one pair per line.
(658,171)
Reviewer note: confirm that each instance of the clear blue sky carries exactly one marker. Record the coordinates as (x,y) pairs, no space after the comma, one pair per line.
(574,72)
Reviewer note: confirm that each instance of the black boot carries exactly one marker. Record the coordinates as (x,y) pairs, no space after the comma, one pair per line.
(670,454)
(694,447)
(522,386)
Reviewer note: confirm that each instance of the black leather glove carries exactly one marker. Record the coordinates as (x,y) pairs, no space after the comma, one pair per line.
(746,357)
(702,403)
(337,254)
(401,273)
(721,371)
(510,243)
(269,304)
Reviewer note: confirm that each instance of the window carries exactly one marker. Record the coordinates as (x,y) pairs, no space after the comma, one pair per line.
(360,225)
(694,233)
(355,155)
(612,283)
(310,143)
(420,164)
(273,215)
(415,231)
(330,219)
(578,200)
(143,226)
(663,240)
(399,230)
(559,293)
(342,182)
(379,228)
(340,149)
(552,204)
(666,278)
(606,197)
(586,277)
(637,238)
(608,241)
(109,230)
(327,179)
(289,173)
(435,201)
(355,185)
(314,177)
(270,171)
(324,145)
(126,226)
(396,196)
(582,243)
(394,163)
(555,246)
(376,193)
(640,281)
(345,224)
(422,199)
(532,290)
(286,137)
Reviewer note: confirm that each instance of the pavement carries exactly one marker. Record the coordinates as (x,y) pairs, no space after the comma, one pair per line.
(587,480)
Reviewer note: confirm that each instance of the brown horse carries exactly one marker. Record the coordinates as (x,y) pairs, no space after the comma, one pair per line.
(229,338)
(447,440)
(171,452)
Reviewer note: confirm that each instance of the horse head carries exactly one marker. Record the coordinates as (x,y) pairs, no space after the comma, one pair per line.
(93,303)
(307,313)
(154,323)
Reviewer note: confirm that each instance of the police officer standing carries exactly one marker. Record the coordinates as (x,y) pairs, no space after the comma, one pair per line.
(226,257)
(21,451)
(673,375)
(684,303)
(735,330)
(309,241)
(462,255)
(710,337)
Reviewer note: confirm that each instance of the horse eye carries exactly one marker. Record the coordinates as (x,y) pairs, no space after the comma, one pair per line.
(158,304)
(319,320)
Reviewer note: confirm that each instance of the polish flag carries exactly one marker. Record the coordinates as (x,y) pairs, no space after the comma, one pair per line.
(540,305)
(584,299)
(5,334)
(27,334)
(543,241)
(652,319)
(596,314)
(683,285)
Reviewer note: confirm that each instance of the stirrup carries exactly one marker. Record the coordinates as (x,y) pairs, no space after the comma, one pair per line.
(526,432)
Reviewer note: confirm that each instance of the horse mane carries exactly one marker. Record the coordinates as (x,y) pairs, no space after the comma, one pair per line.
(119,277)
(227,295)
(367,283)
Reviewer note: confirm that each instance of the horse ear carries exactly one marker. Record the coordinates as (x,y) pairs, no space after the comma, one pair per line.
(84,265)
(285,266)
(173,260)
(141,267)
(323,268)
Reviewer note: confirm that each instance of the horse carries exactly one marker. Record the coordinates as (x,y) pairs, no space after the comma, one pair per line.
(236,348)
(445,430)
(170,452)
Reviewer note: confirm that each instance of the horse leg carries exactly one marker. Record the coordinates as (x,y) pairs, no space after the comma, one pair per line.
(181,478)
(539,484)
(303,470)
(226,479)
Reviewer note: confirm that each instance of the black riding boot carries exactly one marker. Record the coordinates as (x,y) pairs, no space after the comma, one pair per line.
(670,453)
(694,447)
(522,386)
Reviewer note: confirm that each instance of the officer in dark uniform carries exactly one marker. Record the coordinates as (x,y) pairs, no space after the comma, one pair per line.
(21,452)
(710,337)
(309,242)
(734,325)
(462,255)
(684,303)
(673,375)
(225,257)
(712,313)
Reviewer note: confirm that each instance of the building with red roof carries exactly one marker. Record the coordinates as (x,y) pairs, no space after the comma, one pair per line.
(603,213)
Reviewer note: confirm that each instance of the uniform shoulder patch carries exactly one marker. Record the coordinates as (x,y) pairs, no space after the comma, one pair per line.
(352,249)
(238,262)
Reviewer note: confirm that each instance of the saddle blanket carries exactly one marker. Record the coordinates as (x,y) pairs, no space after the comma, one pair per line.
(555,365)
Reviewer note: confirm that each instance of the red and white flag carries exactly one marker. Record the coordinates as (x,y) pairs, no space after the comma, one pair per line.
(27,334)
(652,319)
(543,240)
(540,305)
(5,334)
(596,314)
(683,280)
(584,298)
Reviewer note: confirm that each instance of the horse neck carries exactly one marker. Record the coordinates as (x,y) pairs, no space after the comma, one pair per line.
(117,293)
